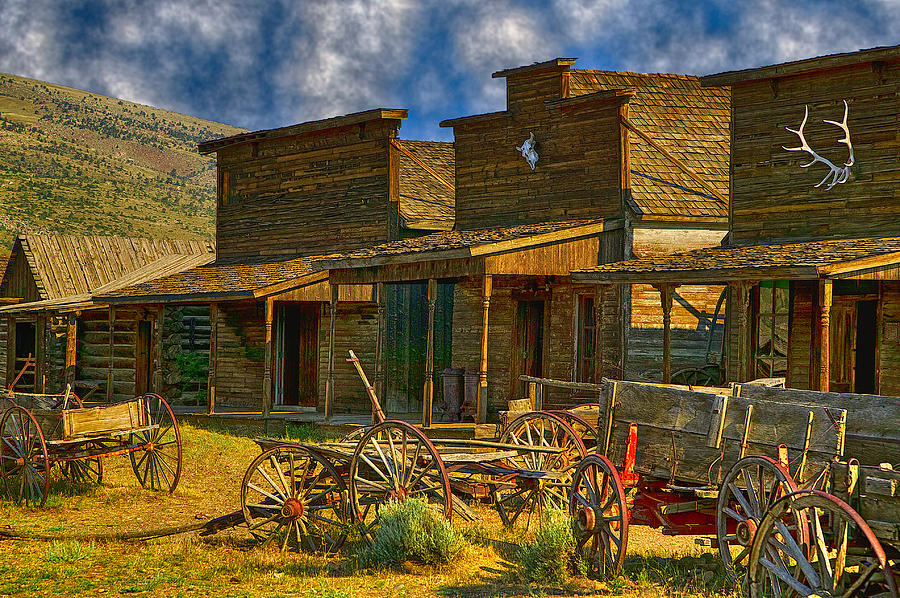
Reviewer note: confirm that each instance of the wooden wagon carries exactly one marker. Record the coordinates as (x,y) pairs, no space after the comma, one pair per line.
(851,546)
(38,431)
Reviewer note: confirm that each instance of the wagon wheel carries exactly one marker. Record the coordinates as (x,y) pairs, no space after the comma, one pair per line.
(24,461)
(293,496)
(586,430)
(157,462)
(751,487)
(708,375)
(354,435)
(598,507)
(547,476)
(846,557)
(83,471)
(395,460)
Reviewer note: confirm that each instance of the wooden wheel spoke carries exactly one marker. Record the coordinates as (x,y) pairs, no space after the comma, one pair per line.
(785,576)
(259,524)
(277,499)
(742,500)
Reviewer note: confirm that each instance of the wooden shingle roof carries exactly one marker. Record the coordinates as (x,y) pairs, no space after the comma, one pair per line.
(689,122)
(67,265)
(427,184)
(809,260)
(219,280)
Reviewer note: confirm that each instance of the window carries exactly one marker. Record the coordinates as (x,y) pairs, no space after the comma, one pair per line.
(585,331)
(770,342)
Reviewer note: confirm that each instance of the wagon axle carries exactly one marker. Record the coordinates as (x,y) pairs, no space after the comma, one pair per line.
(292,509)
(746,531)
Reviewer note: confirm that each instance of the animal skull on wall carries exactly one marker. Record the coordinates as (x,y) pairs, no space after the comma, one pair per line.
(528,150)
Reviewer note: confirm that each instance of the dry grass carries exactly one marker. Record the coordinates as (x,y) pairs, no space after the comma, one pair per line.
(227,565)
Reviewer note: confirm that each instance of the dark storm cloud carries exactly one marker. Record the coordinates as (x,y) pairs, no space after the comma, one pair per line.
(265,64)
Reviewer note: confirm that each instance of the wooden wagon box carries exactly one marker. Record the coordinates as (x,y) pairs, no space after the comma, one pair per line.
(103,420)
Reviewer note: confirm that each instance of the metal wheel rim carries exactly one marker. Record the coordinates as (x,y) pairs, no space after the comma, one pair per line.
(512,501)
(768,573)
(740,506)
(266,488)
(600,512)
(395,460)
(157,468)
(21,438)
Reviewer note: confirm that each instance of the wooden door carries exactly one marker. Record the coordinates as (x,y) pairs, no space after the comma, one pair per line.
(142,361)
(865,368)
(842,345)
(527,345)
(297,362)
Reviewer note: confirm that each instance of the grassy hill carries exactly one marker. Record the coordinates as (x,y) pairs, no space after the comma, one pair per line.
(80,163)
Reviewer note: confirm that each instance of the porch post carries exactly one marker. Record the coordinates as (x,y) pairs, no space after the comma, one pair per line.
(740,293)
(329,383)
(213,341)
(158,381)
(665,294)
(71,344)
(110,377)
(482,398)
(379,344)
(40,357)
(428,398)
(10,350)
(823,306)
(267,374)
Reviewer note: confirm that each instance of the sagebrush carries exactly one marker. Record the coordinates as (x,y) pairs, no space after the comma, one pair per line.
(412,530)
(548,557)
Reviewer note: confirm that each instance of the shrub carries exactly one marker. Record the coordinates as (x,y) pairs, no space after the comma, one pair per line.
(413,530)
(68,551)
(546,558)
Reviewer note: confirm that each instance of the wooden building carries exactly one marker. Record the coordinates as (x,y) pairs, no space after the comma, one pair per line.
(286,197)
(52,324)
(582,167)
(812,261)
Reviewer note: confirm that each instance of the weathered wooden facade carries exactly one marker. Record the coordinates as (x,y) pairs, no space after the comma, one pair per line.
(53,326)
(287,196)
(812,256)
(626,163)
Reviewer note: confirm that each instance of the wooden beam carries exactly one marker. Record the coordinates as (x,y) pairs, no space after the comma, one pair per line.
(428,395)
(681,165)
(482,397)
(823,334)
(665,294)
(329,382)
(110,377)
(379,342)
(740,293)
(267,372)
(158,379)
(213,357)
(10,349)
(40,358)
(71,345)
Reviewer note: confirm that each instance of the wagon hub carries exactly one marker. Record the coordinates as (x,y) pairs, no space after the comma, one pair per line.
(292,509)
(745,532)
(400,494)
(585,519)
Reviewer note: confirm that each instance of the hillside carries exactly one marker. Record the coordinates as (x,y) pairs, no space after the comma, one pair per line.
(76,162)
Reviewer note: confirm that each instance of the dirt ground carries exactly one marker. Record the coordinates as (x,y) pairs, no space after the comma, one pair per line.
(230,565)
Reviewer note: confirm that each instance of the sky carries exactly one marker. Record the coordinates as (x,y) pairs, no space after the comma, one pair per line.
(268,64)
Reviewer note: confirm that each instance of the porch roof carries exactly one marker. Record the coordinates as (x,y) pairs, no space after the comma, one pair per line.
(219,280)
(867,258)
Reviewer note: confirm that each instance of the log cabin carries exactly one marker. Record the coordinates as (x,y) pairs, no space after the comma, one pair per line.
(812,259)
(286,197)
(582,167)
(54,333)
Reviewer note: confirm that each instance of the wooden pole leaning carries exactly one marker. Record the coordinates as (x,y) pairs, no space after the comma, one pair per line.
(482,397)
(267,373)
(377,413)
(329,382)
(428,394)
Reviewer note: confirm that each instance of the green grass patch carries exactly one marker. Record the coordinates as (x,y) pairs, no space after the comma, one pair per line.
(68,551)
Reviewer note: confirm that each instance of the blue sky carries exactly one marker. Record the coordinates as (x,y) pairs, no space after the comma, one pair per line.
(269,64)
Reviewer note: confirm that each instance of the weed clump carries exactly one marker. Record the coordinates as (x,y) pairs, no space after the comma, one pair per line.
(412,530)
(68,551)
(547,558)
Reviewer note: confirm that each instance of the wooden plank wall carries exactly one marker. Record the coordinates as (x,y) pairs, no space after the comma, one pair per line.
(800,345)
(355,328)
(577,175)
(240,353)
(773,198)
(889,346)
(693,308)
(306,195)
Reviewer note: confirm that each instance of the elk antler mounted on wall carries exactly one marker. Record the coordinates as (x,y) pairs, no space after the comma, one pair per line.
(838,174)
